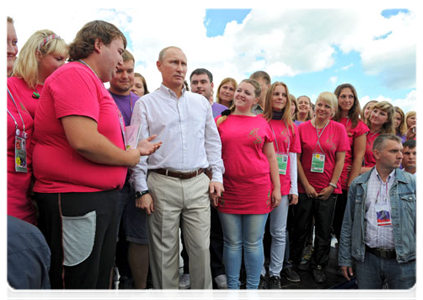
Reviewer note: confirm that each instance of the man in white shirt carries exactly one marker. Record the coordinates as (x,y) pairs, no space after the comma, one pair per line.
(411,157)
(176,187)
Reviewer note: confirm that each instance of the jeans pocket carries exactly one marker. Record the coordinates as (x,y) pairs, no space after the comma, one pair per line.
(78,238)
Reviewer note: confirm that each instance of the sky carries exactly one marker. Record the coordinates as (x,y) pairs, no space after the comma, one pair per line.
(310,49)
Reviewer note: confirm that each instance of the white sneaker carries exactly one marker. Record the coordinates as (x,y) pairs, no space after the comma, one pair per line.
(184,282)
(221,282)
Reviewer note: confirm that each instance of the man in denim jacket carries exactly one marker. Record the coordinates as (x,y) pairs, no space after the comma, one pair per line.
(379,228)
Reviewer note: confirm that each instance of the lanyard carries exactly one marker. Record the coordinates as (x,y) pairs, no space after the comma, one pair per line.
(289,139)
(16,123)
(319,135)
(380,188)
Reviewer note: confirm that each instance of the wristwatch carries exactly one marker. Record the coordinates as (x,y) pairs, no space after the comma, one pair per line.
(139,194)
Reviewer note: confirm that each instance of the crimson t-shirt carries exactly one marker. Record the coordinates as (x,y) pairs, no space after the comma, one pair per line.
(21,91)
(285,136)
(333,139)
(369,159)
(246,179)
(74,89)
(352,133)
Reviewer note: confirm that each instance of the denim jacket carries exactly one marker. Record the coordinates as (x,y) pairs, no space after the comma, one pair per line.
(403,213)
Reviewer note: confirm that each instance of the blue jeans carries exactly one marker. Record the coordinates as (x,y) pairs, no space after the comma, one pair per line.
(278,217)
(374,271)
(243,231)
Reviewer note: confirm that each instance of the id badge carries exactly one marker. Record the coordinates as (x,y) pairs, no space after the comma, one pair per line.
(318,163)
(383,215)
(20,154)
(282,162)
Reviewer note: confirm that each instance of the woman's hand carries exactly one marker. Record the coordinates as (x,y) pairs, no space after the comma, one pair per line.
(276,197)
(293,199)
(310,191)
(411,133)
(325,193)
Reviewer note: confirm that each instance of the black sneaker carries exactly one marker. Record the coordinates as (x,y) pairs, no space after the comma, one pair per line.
(275,283)
(319,275)
(262,283)
(291,275)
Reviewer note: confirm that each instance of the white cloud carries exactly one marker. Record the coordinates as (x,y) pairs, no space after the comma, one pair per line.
(283,42)
(333,80)
(407,104)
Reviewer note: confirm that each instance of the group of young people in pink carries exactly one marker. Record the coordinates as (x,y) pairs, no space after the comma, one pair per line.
(324,148)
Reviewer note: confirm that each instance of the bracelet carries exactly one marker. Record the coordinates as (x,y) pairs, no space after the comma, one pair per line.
(332,185)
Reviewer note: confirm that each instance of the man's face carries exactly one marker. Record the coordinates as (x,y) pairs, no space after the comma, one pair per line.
(201,84)
(123,80)
(409,158)
(173,68)
(264,87)
(391,156)
(110,59)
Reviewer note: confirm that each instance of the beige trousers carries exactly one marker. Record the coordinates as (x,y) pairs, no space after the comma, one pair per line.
(175,200)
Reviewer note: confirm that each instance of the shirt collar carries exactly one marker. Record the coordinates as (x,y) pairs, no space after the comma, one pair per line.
(391,175)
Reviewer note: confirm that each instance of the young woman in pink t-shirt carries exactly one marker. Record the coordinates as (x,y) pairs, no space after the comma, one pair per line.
(251,182)
(287,144)
(348,114)
(323,145)
(380,121)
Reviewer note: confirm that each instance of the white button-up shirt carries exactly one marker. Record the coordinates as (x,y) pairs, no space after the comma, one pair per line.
(188,132)
(378,194)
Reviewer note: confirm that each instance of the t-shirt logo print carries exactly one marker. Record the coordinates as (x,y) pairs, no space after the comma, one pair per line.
(254,134)
(330,142)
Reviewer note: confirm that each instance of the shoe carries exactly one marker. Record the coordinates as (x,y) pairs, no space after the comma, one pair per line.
(262,284)
(144,296)
(221,282)
(252,295)
(184,282)
(319,275)
(232,295)
(304,266)
(126,283)
(291,275)
(275,283)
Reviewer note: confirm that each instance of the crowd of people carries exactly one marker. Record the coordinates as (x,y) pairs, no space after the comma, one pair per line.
(104,185)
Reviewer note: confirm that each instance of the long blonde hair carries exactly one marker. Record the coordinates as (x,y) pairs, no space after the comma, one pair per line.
(268,110)
(43,41)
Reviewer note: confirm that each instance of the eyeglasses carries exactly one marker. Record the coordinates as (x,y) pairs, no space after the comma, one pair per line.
(345,97)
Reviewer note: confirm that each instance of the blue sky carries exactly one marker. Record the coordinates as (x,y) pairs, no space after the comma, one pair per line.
(312,50)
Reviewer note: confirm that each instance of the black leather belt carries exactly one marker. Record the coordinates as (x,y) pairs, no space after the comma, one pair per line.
(180,175)
(382,253)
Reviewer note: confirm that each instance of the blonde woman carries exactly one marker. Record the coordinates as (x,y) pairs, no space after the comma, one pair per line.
(225,92)
(380,121)
(410,121)
(41,55)
(251,182)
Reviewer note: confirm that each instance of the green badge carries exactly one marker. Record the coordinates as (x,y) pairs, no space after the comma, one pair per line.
(318,163)
(282,162)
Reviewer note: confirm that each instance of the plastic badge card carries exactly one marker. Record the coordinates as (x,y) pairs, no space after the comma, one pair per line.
(132,133)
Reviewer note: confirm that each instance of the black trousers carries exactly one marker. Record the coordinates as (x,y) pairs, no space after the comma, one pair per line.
(80,229)
(341,204)
(304,211)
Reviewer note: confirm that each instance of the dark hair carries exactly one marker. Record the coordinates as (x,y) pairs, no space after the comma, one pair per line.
(355,111)
(261,74)
(83,44)
(201,71)
(410,144)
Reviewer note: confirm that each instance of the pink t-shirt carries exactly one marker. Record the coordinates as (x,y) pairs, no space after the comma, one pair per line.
(284,137)
(247,173)
(74,89)
(369,159)
(352,133)
(21,91)
(333,139)
(19,204)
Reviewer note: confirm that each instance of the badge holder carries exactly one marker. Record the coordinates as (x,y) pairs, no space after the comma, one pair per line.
(20,152)
(282,162)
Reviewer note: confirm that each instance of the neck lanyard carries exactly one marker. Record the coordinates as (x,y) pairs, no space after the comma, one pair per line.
(289,139)
(16,123)
(380,188)
(319,135)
